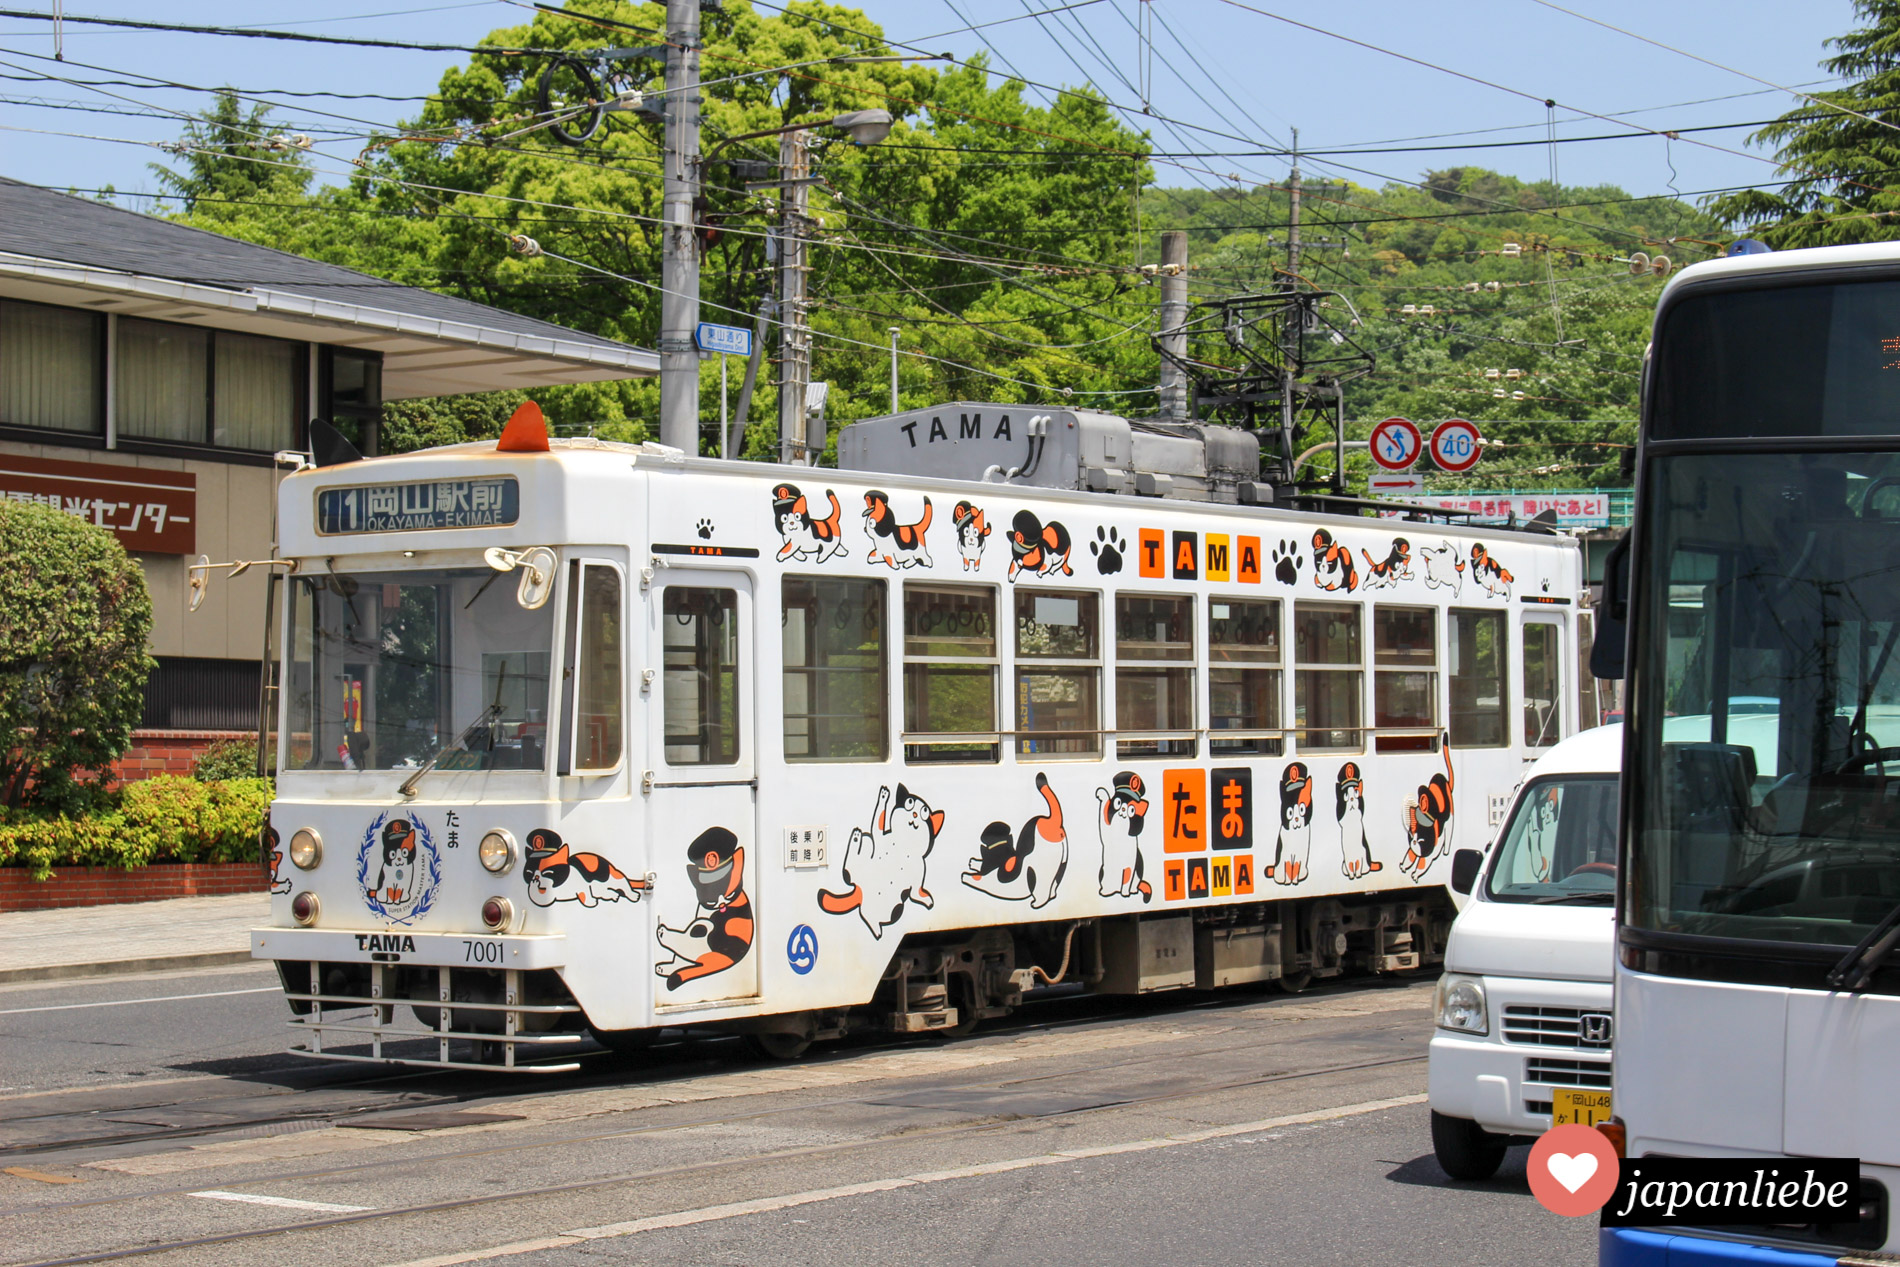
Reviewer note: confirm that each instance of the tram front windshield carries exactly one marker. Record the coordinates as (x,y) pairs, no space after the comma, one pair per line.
(388,670)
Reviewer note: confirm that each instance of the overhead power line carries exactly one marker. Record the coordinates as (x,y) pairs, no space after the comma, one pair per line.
(302,37)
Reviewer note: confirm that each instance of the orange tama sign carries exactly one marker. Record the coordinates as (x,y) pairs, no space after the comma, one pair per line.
(149,511)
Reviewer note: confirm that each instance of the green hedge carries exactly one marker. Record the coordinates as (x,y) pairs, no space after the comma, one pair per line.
(164,819)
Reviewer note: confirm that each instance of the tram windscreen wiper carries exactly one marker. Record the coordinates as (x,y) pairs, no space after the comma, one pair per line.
(482,719)
(1855,971)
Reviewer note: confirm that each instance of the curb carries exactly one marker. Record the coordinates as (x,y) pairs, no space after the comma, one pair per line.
(119,967)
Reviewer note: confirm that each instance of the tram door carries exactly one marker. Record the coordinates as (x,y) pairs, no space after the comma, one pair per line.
(702,808)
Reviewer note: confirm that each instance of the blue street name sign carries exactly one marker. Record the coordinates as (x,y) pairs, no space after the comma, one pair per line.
(732,340)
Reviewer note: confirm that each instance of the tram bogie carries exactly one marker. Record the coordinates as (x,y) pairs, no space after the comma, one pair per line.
(741,761)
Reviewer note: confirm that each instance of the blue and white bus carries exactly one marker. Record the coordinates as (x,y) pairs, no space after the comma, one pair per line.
(1757,992)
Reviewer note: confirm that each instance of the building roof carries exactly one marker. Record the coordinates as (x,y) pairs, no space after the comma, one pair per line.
(61,249)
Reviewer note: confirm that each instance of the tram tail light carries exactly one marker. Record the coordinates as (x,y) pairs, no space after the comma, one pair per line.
(498,913)
(304,908)
(1618,1135)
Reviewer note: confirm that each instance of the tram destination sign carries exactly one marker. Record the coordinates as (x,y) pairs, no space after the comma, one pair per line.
(486,502)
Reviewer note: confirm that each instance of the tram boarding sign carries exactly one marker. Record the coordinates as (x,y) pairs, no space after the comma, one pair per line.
(1396,444)
(1456,445)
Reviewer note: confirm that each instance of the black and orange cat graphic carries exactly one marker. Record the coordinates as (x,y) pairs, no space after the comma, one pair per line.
(894,544)
(721,930)
(556,872)
(1333,567)
(1428,821)
(807,539)
(1037,548)
(1030,864)
(1396,567)
(885,865)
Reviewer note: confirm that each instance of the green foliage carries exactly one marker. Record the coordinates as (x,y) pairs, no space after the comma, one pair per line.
(231,158)
(74,619)
(1839,152)
(228,759)
(424,423)
(163,819)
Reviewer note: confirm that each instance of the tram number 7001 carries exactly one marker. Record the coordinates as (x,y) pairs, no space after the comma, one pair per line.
(481,952)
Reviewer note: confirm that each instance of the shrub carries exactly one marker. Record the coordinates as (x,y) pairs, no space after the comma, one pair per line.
(227,759)
(163,819)
(74,619)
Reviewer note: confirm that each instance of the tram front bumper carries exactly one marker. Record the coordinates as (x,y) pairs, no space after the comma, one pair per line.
(398,947)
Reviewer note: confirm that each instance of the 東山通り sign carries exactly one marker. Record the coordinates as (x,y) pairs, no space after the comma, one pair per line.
(731,340)
(153,512)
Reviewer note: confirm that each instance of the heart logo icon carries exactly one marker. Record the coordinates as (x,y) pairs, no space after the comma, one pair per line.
(1572,1171)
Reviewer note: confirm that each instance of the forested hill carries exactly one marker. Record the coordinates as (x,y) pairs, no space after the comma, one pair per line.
(1537,326)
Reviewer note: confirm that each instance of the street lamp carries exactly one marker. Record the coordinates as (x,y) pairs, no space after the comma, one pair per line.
(864,127)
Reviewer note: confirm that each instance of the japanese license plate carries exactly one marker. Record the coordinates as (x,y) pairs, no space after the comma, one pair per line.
(1570,1105)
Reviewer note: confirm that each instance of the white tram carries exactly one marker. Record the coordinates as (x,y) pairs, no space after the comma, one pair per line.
(601,737)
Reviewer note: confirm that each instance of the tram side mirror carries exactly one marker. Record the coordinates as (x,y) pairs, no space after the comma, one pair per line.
(536,566)
(1608,655)
(1465,864)
(198,580)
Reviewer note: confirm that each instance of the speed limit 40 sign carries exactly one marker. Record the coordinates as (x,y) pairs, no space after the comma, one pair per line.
(1396,444)
(1455,445)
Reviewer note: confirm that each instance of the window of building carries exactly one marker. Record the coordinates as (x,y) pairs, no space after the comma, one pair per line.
(1479,716)
(352,394)
(254,392)
(1243,676)
(164,381)
(1543,685)
(950,669)
(1058,673)
(836,691)
(700,636)
(1405,678)
(51,367)
(596,663)
(1328,677)
(1154,676)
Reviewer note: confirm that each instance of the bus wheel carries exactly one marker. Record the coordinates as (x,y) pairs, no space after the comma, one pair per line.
(1464,1149)
(780,1046)
(1294,982)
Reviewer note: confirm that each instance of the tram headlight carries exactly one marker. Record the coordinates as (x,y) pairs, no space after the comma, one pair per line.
(304,908)
(498,914)
(1459,1004)
(497,851)
(306,848)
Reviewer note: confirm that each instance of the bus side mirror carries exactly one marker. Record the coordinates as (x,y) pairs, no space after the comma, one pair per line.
(1608,655)
(1465,865)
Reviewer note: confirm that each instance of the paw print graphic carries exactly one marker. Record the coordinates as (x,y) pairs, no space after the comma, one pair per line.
(1286,562)
(705,529)
(1107,549)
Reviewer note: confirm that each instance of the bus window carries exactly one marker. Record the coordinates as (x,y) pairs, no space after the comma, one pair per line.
(1543,685)
(1405,678)
(1478,716)
(597,715)
(837,695)
(1058,673)
(1243,676)
(1328,680)
(950,666)
(1154,690)
(700,634)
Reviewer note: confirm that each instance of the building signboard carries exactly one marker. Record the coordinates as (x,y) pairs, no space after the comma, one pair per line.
(151,512)
(1574,508)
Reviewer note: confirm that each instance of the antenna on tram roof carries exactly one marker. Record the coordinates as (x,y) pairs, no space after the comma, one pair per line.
(526,432)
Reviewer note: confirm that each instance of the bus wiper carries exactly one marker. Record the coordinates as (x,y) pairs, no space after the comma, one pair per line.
(1856,969)
(482,718)
(1574,897)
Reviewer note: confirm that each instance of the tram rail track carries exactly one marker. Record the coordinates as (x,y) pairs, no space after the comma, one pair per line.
(965,1130)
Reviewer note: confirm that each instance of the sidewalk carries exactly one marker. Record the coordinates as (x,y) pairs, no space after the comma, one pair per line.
(97,941)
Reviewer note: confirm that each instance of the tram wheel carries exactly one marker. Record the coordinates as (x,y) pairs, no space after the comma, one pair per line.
(1294,982)
(780,1046)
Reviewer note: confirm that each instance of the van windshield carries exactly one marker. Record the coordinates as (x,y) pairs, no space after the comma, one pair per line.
(1560,845)
(386,668)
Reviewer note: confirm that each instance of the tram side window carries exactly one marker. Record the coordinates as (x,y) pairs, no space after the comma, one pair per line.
(1405,678)
(837,694)
(950,668)
(1154,676)
(1543,685)
(1058,673)
(700,637)
(1328,677)
(1479,705)
(595,664)
(1589,706)
(1243,677)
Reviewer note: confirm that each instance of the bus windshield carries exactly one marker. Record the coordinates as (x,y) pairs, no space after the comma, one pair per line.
(388,668)
(1767,806)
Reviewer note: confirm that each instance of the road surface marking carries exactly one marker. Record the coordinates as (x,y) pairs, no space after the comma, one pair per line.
(40,1176)
(253,1198)
(165,998)
(763,1205)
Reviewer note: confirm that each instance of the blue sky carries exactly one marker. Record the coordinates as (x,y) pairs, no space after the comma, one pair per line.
(1257,78)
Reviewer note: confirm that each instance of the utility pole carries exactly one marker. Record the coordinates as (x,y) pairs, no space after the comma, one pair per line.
(1173,387)
(794,334)
(679,273)
(1293,220)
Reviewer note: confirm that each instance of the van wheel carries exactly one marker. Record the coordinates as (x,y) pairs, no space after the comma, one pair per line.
(1464,1149)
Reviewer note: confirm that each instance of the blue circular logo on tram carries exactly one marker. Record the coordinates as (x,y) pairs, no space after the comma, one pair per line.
(802,950)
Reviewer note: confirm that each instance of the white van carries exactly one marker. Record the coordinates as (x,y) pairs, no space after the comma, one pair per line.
(1523,1009)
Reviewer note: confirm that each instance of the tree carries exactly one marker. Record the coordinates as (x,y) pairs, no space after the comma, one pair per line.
(235,156)
(74,619)
(1839,150)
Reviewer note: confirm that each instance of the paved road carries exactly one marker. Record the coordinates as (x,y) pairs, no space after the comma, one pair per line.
(1248,1127)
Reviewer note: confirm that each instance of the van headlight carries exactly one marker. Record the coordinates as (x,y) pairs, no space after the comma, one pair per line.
(1459,1004)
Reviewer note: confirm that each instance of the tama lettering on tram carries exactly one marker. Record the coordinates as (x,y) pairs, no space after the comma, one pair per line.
(968,427)
(471,503)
